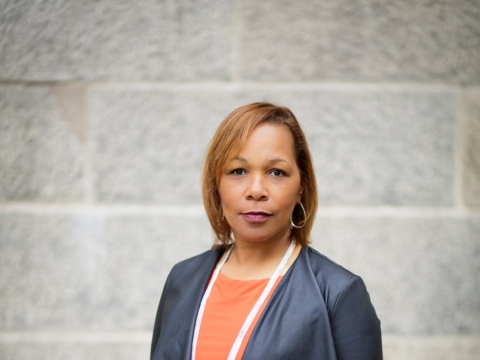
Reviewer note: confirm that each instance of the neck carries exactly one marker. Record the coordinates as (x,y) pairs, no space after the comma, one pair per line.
(251,253)
(255,260)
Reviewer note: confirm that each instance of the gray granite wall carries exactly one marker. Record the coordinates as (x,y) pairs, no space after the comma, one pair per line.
(106,108)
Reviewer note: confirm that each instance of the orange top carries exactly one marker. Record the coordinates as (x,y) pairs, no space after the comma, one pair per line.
(227,307)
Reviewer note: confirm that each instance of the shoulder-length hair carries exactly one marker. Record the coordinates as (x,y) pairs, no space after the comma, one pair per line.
(229,140)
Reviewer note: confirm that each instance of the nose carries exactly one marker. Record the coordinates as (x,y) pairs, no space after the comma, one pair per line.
(256,189)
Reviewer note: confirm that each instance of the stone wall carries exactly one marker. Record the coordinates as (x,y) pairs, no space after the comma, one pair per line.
(106,108)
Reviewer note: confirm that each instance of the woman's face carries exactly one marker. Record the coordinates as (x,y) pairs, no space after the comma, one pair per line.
(261,186)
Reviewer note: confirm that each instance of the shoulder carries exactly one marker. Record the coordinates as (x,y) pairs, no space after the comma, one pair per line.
(354,323)
(333,279)
(327,270)
(191,266)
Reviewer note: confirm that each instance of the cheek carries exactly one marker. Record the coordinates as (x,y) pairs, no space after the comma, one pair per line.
(288,202)
(291,193)
(221,190)
(227,194)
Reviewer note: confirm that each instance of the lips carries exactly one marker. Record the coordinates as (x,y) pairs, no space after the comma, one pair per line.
(256,216)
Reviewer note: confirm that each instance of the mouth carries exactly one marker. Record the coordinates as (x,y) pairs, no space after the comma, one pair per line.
(256,216)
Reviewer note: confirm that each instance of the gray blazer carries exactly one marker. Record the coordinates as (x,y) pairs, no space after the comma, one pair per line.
(318,311)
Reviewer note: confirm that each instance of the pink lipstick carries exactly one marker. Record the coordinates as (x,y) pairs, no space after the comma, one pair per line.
(256,216)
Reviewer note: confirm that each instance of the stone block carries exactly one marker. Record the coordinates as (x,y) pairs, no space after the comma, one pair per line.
(149,144)
(394,348)
(374,146)
(115,40)
(471,151)
(431,348)
(41,144)
(74,351)
(82,271)
(422,271)
(377,146)
(368,40)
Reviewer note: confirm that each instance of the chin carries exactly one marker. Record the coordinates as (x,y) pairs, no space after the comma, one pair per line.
(258,236)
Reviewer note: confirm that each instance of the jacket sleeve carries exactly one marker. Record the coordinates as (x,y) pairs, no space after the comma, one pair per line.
(157,328)
(355,325)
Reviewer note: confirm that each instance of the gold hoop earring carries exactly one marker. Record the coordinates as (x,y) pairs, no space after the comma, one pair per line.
(304,220)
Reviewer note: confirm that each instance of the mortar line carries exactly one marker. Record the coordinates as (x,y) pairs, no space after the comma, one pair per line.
(141,337)
(88,166)
(42,83)
(236,41)
(198,210)
(391,339)
(282,86)
(222,85)
(458,151)
(102,209)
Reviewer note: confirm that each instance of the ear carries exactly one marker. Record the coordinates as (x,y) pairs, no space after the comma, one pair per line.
(299,196)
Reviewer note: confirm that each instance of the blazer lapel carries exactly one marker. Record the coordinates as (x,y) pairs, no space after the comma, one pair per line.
(296,313)
(185,296)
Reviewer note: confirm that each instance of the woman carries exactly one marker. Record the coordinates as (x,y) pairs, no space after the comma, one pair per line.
(262,293)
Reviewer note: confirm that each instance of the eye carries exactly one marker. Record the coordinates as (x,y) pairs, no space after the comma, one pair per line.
(238,172)
(276,172)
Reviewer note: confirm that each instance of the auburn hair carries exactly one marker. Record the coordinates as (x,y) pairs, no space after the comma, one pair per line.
(229,140)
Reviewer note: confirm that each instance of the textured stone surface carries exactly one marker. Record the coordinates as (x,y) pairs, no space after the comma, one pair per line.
(149,144)
(364,40)
(370,146)
(381,146)
(72,101)
(99,272)
(471,155)
(41,154)
(394,348)
(119,40)
(431,348)
(96,272)
(59,351)
(422,272)
(83,271)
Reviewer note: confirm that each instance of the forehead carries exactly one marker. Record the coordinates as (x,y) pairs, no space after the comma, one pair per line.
(269,139)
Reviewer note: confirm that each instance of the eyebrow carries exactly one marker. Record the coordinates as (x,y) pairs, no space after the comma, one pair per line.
(274,161)
(270,162)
